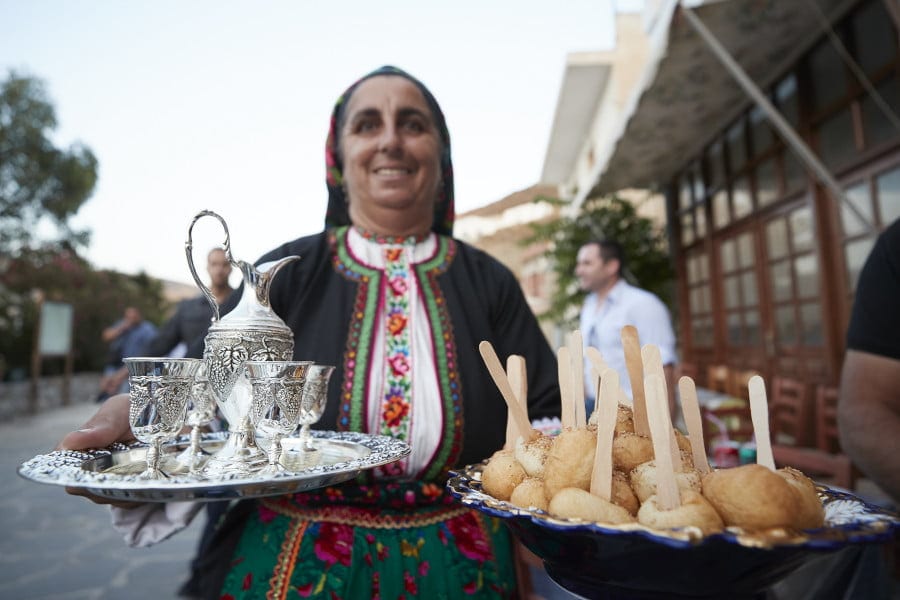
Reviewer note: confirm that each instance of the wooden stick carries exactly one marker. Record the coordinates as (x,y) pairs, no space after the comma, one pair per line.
(690,407)
(667,495)
(515,372)
(631,344)
(576,352)
(759,414)
(567,414)
(653,366)
(607,407)
(516,412)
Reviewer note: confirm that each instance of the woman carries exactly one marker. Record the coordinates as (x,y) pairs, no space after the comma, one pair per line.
(399,306)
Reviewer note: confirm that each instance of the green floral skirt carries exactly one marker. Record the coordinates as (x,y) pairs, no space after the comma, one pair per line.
(386,541)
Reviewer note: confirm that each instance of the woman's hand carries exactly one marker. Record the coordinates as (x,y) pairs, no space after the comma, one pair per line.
(108,425)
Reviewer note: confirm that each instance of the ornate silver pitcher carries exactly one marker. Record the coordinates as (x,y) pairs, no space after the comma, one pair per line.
(252,331)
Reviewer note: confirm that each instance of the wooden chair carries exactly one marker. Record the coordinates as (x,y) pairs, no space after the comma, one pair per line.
(789,413)
(740,381)
(825,459)
(718,378)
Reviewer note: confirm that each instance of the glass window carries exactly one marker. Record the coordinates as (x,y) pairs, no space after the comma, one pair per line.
(697,180)
(714,162)
(855,254)
(877,128)
(811,318)
(807,276)
(700,221)
(875,39)
(732,292)
(785,326)
(766,183)
(734,329)
(741,198)
(737,153)
(721,216)
(684,195)
(748,286)
(692,270)
(745,250)
(801,229)
(786,99)
(726,255)
(752,328)
(776,239)
(705,301)
(781,281)
(828,76)
(836,142)
(687,229)
(703,267)
(760,131)
(858,195)
(794,171)
(888,186)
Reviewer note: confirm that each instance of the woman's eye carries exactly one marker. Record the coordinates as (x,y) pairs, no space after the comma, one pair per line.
(365,126)
(415,126)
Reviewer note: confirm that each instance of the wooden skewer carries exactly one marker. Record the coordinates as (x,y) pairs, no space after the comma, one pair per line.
(516,411)
(653,365)
(567,413)
(576,355)
(518,381)
(607,407)
(759,414)
(631,343)
(690,407)
(667,494)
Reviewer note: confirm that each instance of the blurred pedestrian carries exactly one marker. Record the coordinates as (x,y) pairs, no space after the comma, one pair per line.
(126,337)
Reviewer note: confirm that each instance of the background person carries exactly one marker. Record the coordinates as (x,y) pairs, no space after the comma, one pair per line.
(399,306)
(126,337)
(613,303)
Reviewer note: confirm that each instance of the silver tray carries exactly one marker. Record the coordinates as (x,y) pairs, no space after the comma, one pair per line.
(113,472)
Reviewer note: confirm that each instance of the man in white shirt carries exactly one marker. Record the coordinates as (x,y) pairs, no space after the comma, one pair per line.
(610,305)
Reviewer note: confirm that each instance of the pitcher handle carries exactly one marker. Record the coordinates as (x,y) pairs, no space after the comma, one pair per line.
(189,247)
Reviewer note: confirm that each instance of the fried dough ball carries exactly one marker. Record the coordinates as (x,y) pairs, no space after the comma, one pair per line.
(695,511)
(624,420)
(531,493)
(501,475)
(629,450)
(570,460)
(532,455)
(622,494)
(810,512)
(576,503)
(643,480)
(755,497)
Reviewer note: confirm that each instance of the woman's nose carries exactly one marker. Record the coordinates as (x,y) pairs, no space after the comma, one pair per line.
(390,138)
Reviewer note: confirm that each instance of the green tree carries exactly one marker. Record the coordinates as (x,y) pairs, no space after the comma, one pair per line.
(39,183)
(607,217)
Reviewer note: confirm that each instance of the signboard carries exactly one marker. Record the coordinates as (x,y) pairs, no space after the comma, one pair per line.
(55,329)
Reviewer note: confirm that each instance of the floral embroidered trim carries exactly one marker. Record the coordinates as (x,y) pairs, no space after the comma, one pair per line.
(394,240)
(345,515)
(287,559)
(396,399)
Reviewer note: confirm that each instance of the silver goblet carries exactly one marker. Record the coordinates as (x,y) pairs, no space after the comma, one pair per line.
(201,411)
(315,396)
(275,407)
(160,388)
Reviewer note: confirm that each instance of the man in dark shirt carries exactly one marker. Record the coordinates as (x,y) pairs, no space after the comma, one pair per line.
(192,317)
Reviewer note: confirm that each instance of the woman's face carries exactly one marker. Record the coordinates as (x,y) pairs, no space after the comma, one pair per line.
(391,151)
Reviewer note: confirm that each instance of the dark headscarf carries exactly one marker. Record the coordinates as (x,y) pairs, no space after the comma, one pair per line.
(337,214)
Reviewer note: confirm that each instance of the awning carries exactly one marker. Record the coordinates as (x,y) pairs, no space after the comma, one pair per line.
(690,96)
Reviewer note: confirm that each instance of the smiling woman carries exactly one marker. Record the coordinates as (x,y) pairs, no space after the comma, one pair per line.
(387,295)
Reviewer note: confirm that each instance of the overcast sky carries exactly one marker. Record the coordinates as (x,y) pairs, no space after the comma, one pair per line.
(225,105)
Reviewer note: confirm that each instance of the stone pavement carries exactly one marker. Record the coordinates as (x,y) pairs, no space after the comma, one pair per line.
(61,547)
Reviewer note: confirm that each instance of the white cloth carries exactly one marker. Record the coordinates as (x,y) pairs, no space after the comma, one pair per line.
(153,522)
(601,327)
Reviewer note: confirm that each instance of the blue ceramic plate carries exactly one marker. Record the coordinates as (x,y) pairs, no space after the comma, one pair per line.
(582,555)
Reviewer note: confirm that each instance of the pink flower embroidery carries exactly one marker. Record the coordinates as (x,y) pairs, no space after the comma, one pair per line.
(399,364)
(398,285)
